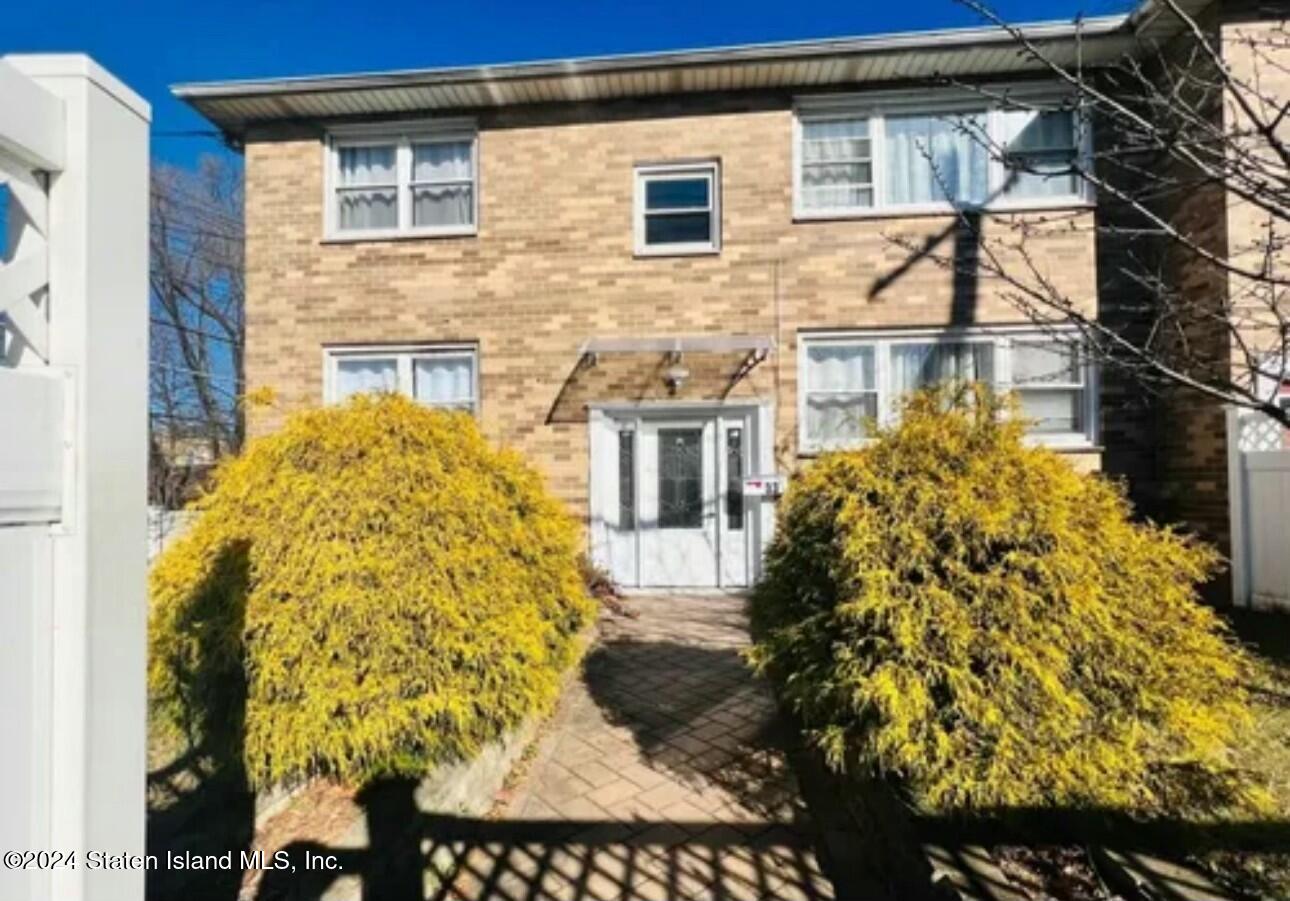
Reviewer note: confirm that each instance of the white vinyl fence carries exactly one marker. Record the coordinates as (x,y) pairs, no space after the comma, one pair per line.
(1259,487)
(164,526)
(73,444)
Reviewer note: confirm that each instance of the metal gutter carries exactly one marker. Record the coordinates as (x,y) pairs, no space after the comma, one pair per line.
(786,51)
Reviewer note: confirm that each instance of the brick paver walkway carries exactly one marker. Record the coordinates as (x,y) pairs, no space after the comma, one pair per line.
(660,777)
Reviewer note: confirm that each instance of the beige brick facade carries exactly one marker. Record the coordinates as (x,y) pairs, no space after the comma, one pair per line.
(553,264)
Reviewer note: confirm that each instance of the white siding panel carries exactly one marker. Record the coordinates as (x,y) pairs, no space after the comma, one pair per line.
(1267,494)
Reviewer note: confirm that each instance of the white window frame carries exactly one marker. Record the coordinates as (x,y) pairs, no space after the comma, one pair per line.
(405,357)
(645,173)
(1000,336)
(876,107)
(403,135)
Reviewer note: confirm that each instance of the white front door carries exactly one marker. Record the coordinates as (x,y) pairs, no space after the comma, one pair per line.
(678,503)
(667,498)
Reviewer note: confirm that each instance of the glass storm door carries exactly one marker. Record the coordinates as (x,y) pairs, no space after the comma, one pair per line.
(678,503)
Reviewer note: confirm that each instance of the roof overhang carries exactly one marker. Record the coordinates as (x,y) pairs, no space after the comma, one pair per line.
(235,106)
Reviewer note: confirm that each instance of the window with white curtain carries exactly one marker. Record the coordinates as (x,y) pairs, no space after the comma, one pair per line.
(386,181)
(1039,151)
(1048,377)
(836,164)
(851,381)
(891,153)
(367,187)
(365,375)
(841,393)
(443,184)
(930,158)
(435,375)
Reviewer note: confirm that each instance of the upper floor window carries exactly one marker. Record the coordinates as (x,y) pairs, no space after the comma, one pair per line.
(678,208)
(894,154)
(387,181)
(850,381)
(435,375)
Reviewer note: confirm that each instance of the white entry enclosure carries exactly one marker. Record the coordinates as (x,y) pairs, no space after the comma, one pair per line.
(73,476)
(667,503)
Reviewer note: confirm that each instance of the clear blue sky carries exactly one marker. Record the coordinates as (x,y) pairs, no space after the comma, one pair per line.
(151,45)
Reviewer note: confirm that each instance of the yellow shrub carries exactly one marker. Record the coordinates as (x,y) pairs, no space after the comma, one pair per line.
(369,591)
(976,617)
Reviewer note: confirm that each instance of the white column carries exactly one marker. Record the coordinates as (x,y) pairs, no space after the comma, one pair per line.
(98,334)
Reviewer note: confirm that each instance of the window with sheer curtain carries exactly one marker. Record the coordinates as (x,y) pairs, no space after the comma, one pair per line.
(919,364)
(365,376)
(443,184)
(836,164)
(414,183)
(935,158)
(435,376)
(850,382)
(1048,377)
(841,393)
(367,191)
(886,155)
(1040,152)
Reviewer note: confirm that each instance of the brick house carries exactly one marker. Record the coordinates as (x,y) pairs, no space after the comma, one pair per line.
(659,274)
(1177,450)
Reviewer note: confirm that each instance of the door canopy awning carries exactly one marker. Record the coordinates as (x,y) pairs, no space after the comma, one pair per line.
(677,345)
(641,369)
(754,349)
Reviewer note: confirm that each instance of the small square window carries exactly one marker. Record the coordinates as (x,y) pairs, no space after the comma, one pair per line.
(678,209)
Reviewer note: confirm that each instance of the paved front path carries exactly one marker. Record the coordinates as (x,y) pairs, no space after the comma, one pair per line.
(660,777)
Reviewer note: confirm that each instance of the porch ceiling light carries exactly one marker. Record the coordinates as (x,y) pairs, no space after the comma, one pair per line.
(675,375)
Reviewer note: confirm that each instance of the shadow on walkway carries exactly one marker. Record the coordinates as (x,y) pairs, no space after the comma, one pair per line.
(413,856)
(696,714)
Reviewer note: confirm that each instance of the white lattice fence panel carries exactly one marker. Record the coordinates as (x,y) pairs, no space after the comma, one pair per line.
(24,262)
(1260,433)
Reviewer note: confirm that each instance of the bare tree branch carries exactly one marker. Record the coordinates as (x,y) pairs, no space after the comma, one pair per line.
(1204,305)
(197,287)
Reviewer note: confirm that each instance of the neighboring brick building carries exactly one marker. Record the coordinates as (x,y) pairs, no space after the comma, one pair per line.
(656,274)
(1172,448)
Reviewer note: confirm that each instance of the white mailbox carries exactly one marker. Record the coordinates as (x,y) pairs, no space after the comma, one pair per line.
(771,486)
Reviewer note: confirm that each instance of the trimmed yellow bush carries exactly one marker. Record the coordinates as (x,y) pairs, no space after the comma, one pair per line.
(975,617)
(370,591)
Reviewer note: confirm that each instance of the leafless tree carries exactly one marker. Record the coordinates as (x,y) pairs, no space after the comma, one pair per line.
(197,288)
(1188,128)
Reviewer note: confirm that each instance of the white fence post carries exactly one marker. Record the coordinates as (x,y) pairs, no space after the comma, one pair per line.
(72,571)
(1236,508)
